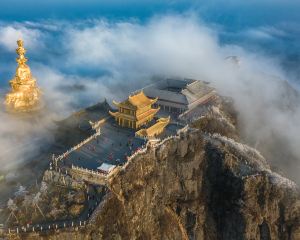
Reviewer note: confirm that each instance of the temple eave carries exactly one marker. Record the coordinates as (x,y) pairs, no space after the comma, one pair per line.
(153,101)
(116,103)
(114,114)
(150,112)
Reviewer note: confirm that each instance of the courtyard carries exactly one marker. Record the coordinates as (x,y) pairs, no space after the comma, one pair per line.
(112,146)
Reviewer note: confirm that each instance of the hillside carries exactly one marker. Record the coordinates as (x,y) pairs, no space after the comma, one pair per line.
(198,185)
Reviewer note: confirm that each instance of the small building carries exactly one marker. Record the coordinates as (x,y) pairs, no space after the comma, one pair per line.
(106,168)
(180,95)
(135,111)
(155,129)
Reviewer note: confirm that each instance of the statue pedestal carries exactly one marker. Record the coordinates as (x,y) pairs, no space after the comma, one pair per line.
(26,111)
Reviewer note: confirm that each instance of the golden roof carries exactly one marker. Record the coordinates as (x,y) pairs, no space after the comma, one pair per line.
(141,100)
(151,111)
(155,129)
(138,100)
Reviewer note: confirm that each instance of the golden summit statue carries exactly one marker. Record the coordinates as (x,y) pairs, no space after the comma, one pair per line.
(24,95)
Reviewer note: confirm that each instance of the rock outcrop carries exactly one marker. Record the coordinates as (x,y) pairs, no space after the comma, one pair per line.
(203,187)
(199,185)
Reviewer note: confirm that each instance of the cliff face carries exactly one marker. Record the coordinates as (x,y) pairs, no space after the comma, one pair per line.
(202,187)
(197,186)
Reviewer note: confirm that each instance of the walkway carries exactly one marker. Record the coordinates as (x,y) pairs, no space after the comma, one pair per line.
(91,204)
(112,146)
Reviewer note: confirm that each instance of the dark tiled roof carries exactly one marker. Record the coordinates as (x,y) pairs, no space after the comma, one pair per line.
(181,91)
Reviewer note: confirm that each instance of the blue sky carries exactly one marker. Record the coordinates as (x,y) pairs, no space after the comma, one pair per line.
(234,12)
(233,16)
(270,28)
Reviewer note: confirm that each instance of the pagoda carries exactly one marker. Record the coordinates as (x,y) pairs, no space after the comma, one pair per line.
(135,111)
(24,95)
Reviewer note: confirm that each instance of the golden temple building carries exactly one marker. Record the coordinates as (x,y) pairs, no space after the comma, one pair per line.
(24,95)
(135,111)
(155,129)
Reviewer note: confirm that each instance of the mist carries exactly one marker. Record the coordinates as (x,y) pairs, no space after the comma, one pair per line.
(109,59)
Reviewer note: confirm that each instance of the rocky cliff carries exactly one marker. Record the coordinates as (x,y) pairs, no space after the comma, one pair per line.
(202,184)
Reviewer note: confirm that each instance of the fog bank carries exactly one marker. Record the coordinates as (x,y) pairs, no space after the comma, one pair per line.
(110,59)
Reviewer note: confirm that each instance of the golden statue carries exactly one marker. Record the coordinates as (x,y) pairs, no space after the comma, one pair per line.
(24,95)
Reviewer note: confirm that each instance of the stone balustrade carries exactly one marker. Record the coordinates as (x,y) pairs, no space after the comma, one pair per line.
(144,149)
(96,125)
(89,171)
(88,175)
(79,145)
(72,225)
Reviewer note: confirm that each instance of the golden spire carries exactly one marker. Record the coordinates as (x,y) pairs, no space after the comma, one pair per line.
(21,60)
(24,95)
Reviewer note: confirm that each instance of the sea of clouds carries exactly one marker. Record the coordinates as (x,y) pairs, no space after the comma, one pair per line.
(82,62)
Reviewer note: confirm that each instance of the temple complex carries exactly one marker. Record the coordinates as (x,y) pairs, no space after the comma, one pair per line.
(135,111)
(24,95)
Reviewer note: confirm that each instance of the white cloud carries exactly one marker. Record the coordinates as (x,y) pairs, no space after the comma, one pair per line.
(10,34)
(180,46)
(264,33)
(130,53)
